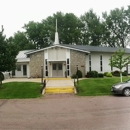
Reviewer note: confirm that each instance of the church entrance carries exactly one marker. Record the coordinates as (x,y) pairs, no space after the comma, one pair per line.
(57,70)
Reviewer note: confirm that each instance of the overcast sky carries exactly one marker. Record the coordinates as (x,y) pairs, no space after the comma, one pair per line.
(15,13)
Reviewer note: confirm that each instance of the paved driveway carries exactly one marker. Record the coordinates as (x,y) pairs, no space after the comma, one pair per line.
(66,112)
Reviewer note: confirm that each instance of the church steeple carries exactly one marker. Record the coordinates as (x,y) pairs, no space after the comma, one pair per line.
(56,35)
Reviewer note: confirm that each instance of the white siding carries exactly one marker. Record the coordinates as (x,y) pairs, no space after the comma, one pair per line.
(95,62)
(20,73)
(57,54)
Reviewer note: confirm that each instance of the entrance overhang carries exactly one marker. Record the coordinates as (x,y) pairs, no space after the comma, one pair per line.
(56,60)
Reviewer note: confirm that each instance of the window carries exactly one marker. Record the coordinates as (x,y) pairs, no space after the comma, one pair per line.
(68,67)
(89,62)
(101,63)
(46,68)
(67,61)
(59,66)
(54,66)
(18,67)
(24,70)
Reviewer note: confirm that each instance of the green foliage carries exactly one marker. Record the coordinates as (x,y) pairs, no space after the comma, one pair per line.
(100,75)
(15,90)
(43,33)
(92,74)
(119,60)
(79,74)
(124,73)
(93,29)
(116,73)
(22,42)
(8,52)
(105,73)
(116,28)
(74,76)
(112,30)
(109,74)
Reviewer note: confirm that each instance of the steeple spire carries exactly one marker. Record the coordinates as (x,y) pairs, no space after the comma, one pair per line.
(56,25)
(56,35)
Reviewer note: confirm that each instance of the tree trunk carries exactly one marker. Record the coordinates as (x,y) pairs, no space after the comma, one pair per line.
(0,83)
(121,75)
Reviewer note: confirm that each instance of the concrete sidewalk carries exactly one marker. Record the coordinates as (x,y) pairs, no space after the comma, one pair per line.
(59,83)
(22,80)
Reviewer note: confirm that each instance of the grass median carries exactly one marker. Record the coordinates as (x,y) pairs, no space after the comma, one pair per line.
(97,86)
(20,90)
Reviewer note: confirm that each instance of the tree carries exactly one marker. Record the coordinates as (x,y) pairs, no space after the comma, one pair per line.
(8,54)
(37,33)
(119,61)
(117,28)
(42,34)
(22,42)
(93,29)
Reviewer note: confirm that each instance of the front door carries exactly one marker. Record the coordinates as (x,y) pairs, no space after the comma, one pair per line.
(57,70)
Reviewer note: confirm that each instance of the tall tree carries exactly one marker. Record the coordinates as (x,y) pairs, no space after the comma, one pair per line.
(22,42)
(118,28)
(35,33)
(119,60)
(8,54)
(93,29)
(72,29)
(43,33)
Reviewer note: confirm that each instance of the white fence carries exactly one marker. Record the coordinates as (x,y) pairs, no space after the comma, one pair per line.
(7,75)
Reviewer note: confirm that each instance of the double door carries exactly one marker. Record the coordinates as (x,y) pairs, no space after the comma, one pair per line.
(57,70)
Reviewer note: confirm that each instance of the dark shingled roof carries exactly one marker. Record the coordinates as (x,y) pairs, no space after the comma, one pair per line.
(95,48)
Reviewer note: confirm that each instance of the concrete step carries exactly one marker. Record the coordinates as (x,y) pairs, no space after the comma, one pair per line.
(59,89)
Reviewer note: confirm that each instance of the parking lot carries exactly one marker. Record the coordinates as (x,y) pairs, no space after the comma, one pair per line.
(66,112)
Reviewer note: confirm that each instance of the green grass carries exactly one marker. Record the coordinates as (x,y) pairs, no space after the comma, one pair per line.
(15,90)
(97,86)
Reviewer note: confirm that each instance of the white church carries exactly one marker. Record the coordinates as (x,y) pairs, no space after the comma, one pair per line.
(57,59)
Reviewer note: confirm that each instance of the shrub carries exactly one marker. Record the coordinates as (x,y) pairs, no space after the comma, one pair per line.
(101,75)
(116,73)
(74,76)
(105,73)
(124,73)
(109,74)
(93,74)
(79,74)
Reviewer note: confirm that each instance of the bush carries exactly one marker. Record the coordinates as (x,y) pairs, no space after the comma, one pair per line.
(109,74)
(79,74)
(92,74)
(105,73)
(124,73)
(101,75)
(116,73)
(74,76)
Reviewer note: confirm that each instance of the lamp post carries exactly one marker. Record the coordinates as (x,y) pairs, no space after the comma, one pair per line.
(77,73)
(41,74)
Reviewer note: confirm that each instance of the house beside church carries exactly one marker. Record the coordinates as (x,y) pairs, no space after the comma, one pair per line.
(61,59)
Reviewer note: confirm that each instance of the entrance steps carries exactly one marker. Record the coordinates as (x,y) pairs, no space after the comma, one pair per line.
(59,85)
(61,89)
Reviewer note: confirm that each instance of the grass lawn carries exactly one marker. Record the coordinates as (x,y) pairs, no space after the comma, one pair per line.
(20,90)
(97,86)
